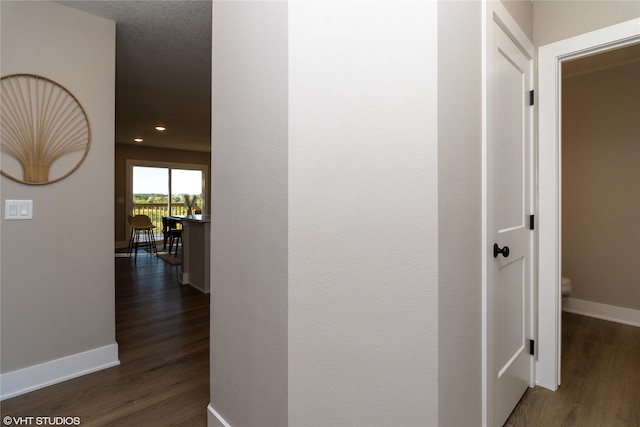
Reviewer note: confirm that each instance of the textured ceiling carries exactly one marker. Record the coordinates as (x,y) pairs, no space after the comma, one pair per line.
(163,70)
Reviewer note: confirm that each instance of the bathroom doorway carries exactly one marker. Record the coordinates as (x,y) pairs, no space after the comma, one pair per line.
(551,59)
(600,195)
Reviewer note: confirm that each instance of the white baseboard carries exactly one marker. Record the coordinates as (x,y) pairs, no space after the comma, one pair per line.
(55,371)
(214,419)
(611,313)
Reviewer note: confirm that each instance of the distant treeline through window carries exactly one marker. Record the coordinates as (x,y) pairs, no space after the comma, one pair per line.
(155,198)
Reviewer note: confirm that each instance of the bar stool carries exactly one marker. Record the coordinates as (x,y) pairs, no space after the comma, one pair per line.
(141,224)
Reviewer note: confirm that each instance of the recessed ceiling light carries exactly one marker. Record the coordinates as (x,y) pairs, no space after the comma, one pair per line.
(161,128)
(138,139)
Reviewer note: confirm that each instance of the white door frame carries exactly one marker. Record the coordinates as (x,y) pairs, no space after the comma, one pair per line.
(550,58)
(494,11)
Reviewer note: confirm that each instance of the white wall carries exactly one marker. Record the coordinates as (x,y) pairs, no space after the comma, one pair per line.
(383,213)
(557,20)
(249,210)
(363,213)
(57,278)
(460,214)
(333,248)
(522,13)
(600,185)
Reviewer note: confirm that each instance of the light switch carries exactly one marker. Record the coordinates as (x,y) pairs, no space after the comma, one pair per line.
(18,209)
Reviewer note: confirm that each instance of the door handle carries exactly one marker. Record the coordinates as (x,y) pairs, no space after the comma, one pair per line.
(497,250)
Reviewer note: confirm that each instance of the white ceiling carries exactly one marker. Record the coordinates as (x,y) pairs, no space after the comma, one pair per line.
(163,70)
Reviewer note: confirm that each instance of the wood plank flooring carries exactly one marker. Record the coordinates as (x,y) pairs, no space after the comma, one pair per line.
(600,379)
(162,331)
(163,334)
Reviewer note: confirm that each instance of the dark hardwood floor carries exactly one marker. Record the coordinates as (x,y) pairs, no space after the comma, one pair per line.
(600,379)
(162,331)
(163,380)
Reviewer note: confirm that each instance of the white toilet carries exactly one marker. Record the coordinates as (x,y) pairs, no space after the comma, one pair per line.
(567,286)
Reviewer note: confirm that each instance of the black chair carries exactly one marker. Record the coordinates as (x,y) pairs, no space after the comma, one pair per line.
(171,233)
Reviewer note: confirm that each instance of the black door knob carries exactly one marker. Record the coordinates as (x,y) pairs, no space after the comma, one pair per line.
(497,250)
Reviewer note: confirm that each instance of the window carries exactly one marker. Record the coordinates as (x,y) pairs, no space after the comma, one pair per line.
(158,189)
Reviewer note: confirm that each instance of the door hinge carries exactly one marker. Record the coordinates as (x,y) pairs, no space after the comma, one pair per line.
(532,222)
(531,97)
(532,347)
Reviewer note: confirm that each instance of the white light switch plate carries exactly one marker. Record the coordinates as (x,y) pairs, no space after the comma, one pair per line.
(18,209)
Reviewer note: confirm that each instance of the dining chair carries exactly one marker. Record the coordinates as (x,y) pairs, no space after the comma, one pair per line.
(171,233)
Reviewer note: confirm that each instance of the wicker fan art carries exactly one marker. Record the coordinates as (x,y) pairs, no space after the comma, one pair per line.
(41,122)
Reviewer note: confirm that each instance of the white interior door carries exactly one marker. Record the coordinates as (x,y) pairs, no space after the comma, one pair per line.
(508,233)
(511,231)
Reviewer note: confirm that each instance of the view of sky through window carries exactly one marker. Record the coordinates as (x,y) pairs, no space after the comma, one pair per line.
(184,181)
(148,180)
(153,180)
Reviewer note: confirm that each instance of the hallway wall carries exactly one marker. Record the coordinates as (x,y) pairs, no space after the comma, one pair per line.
(57,269)
(324,242)
(250,211)
(363,213)
(383,315)
(560,19)
(459,213)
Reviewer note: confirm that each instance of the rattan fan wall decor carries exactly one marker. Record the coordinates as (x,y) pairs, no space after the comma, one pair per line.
(41,122)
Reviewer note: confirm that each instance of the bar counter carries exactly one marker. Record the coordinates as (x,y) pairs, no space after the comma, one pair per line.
(196,232)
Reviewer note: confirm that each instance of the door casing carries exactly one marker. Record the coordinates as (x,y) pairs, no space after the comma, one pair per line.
(550,58)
